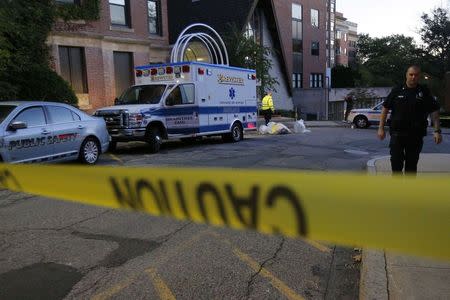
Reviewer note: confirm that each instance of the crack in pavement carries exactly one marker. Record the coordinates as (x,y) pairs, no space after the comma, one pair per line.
(271,259)
(84,220)
(167,237)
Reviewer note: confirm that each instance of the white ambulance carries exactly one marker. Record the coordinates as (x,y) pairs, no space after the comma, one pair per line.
(184,100)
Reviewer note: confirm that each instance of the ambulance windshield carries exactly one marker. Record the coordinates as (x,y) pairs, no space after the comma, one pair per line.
(142,94)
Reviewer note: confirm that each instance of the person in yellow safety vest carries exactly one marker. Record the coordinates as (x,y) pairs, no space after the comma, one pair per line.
(267,107)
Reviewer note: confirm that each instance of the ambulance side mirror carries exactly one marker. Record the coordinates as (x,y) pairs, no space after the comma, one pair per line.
(17,125)
(169,102)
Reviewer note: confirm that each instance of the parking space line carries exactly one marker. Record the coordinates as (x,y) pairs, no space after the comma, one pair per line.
(277,283)
(116,158)
(161,287)
(113,290)
(318,246)
(125,283)
(255,266)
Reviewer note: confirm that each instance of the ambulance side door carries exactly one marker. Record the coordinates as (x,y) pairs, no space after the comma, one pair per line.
(181,111)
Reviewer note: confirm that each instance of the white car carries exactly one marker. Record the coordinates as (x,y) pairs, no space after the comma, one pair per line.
(364,117)
(32,131)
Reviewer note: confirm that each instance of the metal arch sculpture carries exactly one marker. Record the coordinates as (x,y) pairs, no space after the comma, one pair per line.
(218,53)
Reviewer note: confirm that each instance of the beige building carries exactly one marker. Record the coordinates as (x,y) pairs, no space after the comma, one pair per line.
(346,39)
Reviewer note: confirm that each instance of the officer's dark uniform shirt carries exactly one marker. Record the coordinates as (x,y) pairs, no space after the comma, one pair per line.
(410,108)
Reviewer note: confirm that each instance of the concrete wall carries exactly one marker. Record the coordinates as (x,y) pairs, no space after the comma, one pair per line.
(311,102)
(340,94)
(281,98)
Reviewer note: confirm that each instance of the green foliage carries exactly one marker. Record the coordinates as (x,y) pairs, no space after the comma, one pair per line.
(435,34)
(383,61)
(245,52)
(87,10)
(24,70)
(344,77)
(41,83)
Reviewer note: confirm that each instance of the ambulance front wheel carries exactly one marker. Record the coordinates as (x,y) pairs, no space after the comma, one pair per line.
(236,134)
(154,139)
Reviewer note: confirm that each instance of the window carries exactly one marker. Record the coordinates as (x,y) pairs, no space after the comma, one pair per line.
(296,11)
(123,71)
(73,69)
(314,18)
(60,114)
(297,80)
(119,10)
(154,17)
(33,116)
(345,51)
(315,48)
(338,34)
(297,28)
(316,80)
(345,37)
(182,94)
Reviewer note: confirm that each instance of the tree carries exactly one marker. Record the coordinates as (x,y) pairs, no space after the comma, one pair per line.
(24,57)
(435,34)
(383,60)
(245,52)
(344,77)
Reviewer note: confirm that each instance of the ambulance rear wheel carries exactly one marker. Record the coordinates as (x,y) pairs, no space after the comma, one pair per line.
(236,134)
(154,139)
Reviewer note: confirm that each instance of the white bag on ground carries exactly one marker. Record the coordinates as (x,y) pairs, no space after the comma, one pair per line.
(263,129)
(299,127)
(277,128)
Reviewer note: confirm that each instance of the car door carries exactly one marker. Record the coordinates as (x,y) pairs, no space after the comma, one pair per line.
(67,131)
(181,111)
(33,142)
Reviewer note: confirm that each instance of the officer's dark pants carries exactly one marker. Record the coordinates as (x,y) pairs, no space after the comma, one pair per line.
(405,151)
(267,115)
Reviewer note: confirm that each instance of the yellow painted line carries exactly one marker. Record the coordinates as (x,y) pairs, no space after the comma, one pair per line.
(277,283)
(161,287)
(113,290)
(317,245)
(174,251)
(116,158)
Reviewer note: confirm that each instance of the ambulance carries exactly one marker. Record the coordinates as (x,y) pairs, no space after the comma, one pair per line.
(184,100)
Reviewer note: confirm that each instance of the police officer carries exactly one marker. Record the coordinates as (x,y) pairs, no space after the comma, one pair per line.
(410,105)
(267,107)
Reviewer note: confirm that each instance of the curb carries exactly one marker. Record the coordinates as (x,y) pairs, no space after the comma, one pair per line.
(373,280)
(373,284)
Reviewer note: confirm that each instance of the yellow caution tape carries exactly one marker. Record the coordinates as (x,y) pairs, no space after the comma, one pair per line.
(409,215)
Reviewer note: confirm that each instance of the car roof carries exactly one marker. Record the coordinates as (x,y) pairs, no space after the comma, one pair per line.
(31,103)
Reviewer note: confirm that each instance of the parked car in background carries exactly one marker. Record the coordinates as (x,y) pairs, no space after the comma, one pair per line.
(364,117)
(49,132)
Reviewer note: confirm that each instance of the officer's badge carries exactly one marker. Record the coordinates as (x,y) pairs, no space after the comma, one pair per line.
(419,96)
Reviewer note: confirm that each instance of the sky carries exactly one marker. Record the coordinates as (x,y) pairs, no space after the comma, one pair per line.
(386,17)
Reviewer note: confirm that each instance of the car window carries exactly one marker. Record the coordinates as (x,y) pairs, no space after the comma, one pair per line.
(33,116)
(60,114)
(5,110)
(182,94)
(75,116)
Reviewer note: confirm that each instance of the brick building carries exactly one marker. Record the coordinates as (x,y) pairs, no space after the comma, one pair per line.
(296,30)
(346,39)
(97,58)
